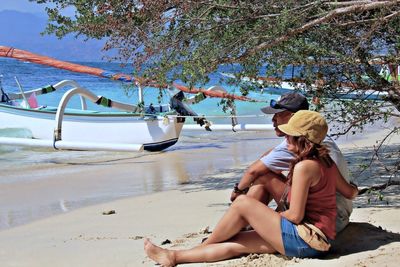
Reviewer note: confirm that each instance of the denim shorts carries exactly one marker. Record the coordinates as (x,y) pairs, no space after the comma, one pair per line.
(294,245)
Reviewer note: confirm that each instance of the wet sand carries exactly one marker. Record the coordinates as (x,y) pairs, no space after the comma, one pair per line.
(40,183)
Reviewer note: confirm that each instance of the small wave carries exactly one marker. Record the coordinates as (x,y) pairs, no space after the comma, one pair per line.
(15,132)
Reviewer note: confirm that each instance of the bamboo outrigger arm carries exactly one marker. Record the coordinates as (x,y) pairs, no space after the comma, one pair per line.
(84,94)
(11,52)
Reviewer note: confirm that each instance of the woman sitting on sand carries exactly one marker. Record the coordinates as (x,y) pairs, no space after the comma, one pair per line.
(312,199)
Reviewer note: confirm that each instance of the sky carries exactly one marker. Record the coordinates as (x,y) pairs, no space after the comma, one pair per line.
(21,5)
(19,36)
(26,6)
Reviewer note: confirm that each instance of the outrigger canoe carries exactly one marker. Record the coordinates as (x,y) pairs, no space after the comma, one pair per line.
(153,128)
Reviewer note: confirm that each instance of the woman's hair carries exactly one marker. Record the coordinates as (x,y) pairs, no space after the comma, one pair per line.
(305,149)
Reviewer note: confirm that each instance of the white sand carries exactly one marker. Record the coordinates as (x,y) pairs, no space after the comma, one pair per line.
(85,237)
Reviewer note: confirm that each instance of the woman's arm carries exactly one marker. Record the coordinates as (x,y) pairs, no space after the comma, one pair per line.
(305,174)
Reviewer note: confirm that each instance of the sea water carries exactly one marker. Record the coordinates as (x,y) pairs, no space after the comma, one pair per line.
(36,183)
(33,76)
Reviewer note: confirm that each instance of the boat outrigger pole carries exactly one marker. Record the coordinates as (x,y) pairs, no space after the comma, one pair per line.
(23,55)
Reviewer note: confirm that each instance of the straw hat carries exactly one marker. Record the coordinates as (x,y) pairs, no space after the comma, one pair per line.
(309,124)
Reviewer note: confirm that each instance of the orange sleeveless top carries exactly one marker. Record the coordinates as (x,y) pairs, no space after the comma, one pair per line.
(320,207)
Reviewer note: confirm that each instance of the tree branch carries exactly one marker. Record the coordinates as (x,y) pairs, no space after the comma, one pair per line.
(364,190)
(351,23)
(348,3)
(332,14)
(395,129)
(352,125)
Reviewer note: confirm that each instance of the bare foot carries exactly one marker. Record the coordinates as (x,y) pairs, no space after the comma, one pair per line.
(164,257)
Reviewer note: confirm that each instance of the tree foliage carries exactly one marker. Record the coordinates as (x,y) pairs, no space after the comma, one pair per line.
(336,40)
(330,45)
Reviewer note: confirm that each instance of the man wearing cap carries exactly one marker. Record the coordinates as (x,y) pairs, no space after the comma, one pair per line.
(257,178)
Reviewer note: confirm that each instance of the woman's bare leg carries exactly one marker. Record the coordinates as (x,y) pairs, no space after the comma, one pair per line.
(252,212)
(246,210)
(162,256)
(227,241)
(242,243)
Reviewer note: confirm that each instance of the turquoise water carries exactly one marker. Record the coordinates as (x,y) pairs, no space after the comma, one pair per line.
(32,76)
(36,183)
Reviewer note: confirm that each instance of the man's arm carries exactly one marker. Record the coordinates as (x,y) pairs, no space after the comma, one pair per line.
(349,191)
(255,170)
(266,153)
(275,160)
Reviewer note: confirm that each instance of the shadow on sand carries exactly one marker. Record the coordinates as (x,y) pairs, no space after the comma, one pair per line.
(359,237)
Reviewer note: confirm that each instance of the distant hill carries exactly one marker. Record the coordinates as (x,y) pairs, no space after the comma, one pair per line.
(22,30)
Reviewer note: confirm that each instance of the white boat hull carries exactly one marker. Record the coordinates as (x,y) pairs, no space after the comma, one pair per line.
(154,132)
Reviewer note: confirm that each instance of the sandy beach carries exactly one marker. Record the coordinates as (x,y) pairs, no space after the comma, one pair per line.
(182,211)
(208,82)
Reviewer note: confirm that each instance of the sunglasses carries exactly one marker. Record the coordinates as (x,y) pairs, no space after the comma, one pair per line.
(274,104)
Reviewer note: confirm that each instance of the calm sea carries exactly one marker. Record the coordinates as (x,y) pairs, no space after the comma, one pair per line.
(35,183)
(32,76)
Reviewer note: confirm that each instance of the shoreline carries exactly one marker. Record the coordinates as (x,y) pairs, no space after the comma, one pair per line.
(56,182)
(86,237)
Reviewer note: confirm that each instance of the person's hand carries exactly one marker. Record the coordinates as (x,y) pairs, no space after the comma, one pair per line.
(234,195)
(355,190)
(236,192)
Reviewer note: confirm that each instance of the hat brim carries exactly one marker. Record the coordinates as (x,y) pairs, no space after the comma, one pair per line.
(288,130)
(270,110)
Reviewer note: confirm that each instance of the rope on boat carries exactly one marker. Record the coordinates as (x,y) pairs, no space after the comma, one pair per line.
(104,101)
(47,89)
